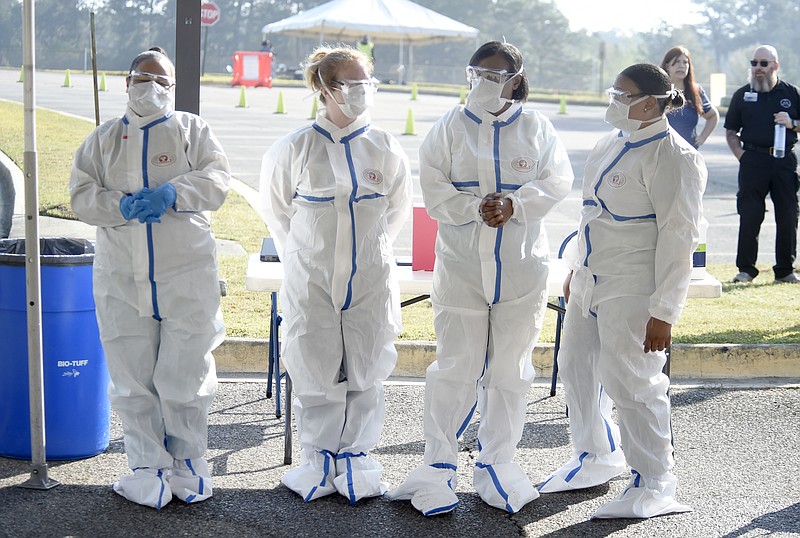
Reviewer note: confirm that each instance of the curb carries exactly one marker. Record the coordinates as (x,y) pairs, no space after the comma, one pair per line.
(688,361)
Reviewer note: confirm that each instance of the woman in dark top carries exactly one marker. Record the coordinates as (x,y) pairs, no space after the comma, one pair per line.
(677,63)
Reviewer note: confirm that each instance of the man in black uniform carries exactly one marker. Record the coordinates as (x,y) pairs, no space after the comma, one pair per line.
(754,111)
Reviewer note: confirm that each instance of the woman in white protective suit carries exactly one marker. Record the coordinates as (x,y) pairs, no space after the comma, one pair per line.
(490,171)
(148,180)
(335,195)
(642,205)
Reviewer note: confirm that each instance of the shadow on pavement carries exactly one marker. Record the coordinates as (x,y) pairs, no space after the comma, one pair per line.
(778,521)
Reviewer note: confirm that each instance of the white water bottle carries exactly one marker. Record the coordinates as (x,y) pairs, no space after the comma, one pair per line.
(779,142)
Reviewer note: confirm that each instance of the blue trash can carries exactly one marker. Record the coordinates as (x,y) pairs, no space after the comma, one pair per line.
(77,409)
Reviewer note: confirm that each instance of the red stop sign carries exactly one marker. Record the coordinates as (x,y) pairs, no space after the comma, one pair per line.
(209,14)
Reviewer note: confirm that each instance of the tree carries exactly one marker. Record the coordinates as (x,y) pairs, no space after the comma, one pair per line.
(11,30)
(554,56)
(726,27)
(733,26)
(62,34)
(127,27)
(239,28)
(655,45)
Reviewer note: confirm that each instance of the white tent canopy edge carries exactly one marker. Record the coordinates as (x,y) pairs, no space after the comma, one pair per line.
(384,21)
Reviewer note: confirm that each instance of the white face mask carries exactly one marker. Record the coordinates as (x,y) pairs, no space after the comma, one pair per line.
(487,95)
(150,98)
(617,115)
(358,97)
(357,100)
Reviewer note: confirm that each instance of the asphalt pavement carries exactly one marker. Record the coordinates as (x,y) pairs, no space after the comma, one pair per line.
(736,460)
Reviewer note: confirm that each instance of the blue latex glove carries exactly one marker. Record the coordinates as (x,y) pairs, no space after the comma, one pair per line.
(154,203)
(144,212)
(128,207)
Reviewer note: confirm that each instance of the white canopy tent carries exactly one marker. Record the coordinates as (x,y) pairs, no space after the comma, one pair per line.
(385,21)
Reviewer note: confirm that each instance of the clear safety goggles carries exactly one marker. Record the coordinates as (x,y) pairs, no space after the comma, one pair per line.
(142,76)
(498,76)
(628,97)
(366,85)
(622,96)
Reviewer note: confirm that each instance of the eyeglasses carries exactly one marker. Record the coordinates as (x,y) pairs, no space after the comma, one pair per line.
(498,76)
(622,96)
(762,63)
(137,77)
(368,84)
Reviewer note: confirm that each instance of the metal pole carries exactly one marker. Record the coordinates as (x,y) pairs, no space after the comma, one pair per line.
(601,56)
(205,45)
(410,71)
(38,478)
(187,56)
(401,68)
(94,73)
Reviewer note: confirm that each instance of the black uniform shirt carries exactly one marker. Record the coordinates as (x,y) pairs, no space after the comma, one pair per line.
(753,113)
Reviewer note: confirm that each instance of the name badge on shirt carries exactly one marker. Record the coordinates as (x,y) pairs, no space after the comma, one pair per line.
(750,97)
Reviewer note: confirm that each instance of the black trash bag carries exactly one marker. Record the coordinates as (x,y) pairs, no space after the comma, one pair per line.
(52,250)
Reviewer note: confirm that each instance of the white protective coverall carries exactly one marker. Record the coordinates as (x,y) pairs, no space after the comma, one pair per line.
(334,201)
(642,205)
(157,295)
(489,295)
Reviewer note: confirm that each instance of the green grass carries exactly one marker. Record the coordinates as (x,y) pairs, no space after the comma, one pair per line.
(762,313)
(759,313)
(57,138)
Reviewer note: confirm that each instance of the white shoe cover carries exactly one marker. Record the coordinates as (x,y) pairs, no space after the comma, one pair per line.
(503,485)
(358,476)
(430,488)
(190,480)
(314,477)
(644,498)
(148,487)
(585,470)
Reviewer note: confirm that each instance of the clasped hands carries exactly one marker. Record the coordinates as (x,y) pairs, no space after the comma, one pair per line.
(148,205)
(495,210)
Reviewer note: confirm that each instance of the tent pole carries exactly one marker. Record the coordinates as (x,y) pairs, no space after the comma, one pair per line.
(38,478)
(401,68)
(94,73)
(410,76)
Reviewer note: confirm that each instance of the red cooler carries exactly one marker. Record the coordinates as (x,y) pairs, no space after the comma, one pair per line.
(423,240)
(252,69)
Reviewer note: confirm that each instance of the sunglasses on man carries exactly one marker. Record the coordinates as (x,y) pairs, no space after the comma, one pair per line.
(762,63)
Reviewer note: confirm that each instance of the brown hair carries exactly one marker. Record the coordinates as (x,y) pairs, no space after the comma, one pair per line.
(323,63)
(690,88)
